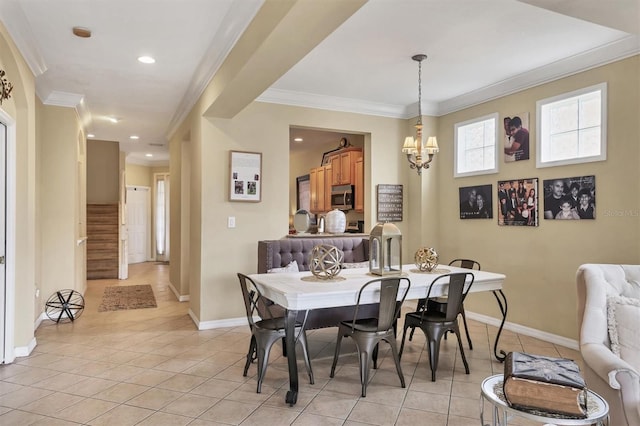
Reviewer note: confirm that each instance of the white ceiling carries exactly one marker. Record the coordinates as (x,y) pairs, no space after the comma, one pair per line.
(477,50)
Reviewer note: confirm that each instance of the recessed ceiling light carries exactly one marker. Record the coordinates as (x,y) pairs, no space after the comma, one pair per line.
(146,60)
(298,140)
(81,32)
(148,155)
(134,137)
(112,119)
(91,135)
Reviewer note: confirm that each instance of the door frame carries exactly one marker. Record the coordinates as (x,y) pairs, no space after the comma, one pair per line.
(9,354)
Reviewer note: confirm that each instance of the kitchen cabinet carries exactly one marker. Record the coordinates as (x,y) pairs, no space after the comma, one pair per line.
(320,188)
(342,166)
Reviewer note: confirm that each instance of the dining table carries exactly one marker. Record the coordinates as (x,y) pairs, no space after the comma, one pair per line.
(302,291)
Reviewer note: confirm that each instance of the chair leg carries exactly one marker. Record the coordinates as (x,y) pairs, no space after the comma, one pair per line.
(374,357)
(466,329)
(251,355)
(305,352)
(365,358)
(263,347)
(464,358)
(404,334)
(396,359)
(337,353)
(421,305)
(433,343)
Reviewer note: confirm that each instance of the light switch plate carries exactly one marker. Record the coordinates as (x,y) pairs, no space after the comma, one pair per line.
(231,222)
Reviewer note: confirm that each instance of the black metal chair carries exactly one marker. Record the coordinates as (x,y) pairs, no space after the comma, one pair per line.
(435,324)
(367,333)
(267,330)
(439,303)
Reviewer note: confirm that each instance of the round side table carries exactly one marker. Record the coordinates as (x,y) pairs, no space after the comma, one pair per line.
(501,412)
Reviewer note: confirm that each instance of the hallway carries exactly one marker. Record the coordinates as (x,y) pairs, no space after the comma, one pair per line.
(153,367)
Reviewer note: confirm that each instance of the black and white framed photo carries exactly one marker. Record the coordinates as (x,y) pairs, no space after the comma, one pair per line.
(570,198)
(476,202)
(518,202)
(245,170)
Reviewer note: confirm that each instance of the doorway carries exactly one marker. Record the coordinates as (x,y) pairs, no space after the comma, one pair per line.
(138,200)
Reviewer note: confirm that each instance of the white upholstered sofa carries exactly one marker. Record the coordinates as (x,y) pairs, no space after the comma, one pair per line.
(609,321)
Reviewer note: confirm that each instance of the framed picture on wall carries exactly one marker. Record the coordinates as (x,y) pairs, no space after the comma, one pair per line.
(570,198)
(518,202)
(516,137)
(476,202)
(245,176)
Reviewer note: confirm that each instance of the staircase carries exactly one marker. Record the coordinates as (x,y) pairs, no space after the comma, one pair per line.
(102,242)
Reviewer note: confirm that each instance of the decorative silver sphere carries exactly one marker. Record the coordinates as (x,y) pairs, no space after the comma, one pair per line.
(325,261)
(426,259)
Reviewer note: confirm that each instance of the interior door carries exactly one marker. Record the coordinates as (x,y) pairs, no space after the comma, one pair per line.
(138,223)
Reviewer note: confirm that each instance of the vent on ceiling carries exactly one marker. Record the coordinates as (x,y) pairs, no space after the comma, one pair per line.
(156,144)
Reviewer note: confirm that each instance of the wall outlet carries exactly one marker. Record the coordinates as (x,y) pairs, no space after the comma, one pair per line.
(231,222)
(37,293)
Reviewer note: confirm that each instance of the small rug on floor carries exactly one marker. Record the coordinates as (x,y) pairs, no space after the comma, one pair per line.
(118,298)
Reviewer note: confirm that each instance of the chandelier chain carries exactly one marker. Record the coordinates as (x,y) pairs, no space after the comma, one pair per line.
(420,91)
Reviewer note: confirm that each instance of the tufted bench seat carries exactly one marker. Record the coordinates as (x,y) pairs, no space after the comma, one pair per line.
(608,313)
(279,253)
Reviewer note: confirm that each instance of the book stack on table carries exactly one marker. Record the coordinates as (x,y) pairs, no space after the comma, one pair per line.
(543,383)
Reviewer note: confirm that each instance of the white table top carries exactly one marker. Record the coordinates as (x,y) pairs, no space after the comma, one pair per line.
(598,409)
(290,291)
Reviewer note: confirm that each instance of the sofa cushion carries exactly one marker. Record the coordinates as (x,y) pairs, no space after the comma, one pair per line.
(623,318)
(291,267)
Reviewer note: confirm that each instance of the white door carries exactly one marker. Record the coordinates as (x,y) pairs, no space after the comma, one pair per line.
(3,290)
(138,223)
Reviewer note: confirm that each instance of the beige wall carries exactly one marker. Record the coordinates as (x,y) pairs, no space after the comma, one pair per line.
(58,202)
(540,263)
(21,108)
(103,172)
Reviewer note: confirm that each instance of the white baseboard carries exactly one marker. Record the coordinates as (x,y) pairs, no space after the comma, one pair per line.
(181,298)
(527,331)
(208,325)
(21,351)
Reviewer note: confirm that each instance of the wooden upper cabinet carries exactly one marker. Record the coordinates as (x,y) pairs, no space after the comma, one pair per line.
(320,188)
(342,166)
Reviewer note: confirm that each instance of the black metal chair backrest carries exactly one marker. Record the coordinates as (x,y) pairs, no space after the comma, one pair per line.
(390,305)
(465,263)
(459,286)
(254,302)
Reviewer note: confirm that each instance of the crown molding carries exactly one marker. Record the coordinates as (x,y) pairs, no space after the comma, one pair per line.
(18,26)
(575,64)
(235,23)
(332,103)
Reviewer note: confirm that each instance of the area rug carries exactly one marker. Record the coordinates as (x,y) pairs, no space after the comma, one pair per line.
(118,298)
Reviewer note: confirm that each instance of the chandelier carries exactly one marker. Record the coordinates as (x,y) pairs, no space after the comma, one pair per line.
(419,153)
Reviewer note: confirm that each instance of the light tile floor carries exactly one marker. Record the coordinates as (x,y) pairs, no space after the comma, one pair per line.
(153,367)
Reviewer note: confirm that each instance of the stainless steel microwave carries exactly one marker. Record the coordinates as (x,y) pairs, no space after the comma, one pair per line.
(342,197)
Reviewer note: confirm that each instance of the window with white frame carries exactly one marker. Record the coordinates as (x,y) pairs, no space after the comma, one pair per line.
(572,127)
(476,146)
